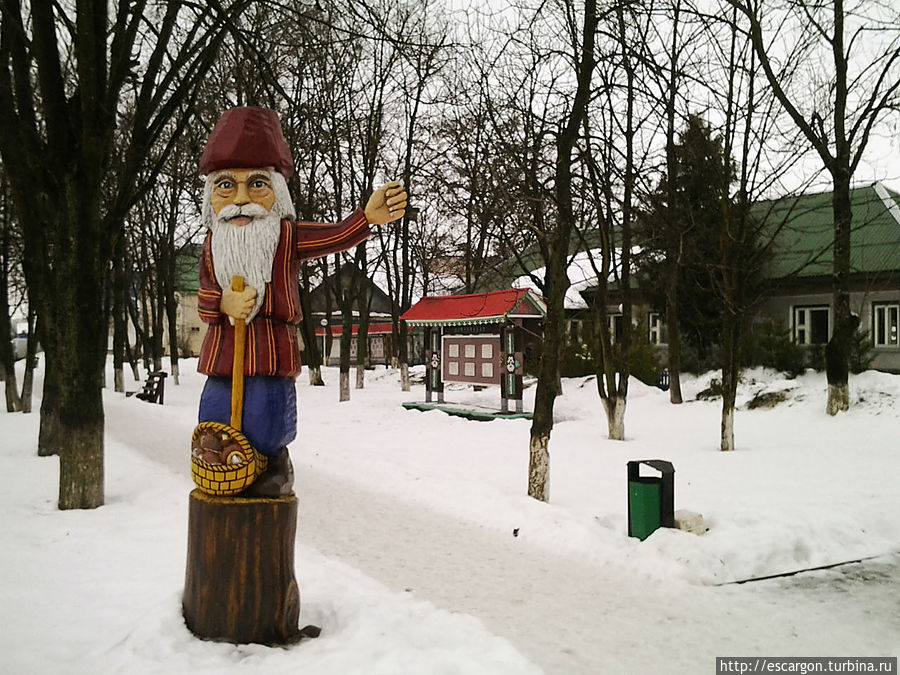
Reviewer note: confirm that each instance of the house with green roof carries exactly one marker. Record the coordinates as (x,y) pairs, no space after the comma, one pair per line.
(187,281)
(799,272)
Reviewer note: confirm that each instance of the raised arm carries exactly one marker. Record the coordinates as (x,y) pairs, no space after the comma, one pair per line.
(315,240)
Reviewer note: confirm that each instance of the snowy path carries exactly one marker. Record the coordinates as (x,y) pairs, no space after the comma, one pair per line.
(565,613)
(570,618)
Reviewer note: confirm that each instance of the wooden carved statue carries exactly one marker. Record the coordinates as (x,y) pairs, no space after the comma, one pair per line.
(248,296)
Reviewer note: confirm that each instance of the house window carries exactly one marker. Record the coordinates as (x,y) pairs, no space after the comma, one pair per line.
(811,325)
(616,323)
(886,324)
(657,327)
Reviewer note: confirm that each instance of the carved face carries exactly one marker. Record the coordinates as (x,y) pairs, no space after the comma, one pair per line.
(239,188)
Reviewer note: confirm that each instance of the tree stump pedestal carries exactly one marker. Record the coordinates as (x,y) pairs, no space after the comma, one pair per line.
(240,584)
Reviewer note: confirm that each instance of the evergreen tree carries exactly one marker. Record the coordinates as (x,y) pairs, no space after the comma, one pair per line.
(690,229)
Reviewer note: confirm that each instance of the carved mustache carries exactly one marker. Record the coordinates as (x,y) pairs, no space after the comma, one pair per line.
(234,211)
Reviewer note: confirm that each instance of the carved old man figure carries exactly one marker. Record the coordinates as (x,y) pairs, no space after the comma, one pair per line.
(253,232)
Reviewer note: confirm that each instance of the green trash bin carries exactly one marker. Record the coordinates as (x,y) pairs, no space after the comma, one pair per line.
(651,499)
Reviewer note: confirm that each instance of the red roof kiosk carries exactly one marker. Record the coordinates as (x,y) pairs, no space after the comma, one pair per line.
(476,339)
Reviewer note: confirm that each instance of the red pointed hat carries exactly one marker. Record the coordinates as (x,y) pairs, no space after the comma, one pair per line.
(247,138)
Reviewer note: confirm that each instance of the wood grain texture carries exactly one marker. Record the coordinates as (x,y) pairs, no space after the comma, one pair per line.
(237,370)
(240,585)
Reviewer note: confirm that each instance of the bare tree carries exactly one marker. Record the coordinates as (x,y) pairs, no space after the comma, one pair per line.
(554,240)
(613,162)
(64,72)
(673,81)
(8,267)
(842,77)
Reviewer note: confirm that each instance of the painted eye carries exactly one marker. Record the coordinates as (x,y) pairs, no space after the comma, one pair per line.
(225,185)
(259,184)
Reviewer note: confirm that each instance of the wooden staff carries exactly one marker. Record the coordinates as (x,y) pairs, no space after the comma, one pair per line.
(237,369)
(240,583)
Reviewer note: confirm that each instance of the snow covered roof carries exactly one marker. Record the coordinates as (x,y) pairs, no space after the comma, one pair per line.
(581,275)
(475,308)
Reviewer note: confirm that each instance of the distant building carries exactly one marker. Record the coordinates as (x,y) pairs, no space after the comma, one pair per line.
(328,322)
(798,274)
(800,277)
(190,329)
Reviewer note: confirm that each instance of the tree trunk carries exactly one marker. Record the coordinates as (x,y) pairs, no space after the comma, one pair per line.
(731,372)
(315,376)
(362,339)
(615,416)
(27,389)
(837,352)
(7,357)
(81,465)
(131,353)
(557,282)
(673,359)
(13,402)
(838,398)
(171,304)
(312,355)
(404,376)
(539,467)
(48,436)
(79,362)
(403,355)
(76,336)
(727,441)
(30,359)
(612,378)
(344,368)
(345,386)
(547,385)
(673,351)
(240,584)
(119,318)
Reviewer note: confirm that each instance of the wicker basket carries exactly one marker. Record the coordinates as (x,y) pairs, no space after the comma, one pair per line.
(227,479)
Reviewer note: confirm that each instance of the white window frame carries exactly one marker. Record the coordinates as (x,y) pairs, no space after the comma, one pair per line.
(886,315)
(801,322)
(611,320)
(655,328)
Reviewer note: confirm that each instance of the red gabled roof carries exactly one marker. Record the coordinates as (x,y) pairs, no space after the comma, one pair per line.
(374,329)
(475,307)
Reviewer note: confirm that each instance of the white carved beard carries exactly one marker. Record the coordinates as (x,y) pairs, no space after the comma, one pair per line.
(245,250)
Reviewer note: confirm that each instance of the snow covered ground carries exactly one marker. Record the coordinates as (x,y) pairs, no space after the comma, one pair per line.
(406,556)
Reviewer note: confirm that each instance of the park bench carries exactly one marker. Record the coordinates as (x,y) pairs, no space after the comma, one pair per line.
(154,388)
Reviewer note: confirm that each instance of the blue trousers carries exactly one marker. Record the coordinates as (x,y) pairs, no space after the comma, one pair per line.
(269,419)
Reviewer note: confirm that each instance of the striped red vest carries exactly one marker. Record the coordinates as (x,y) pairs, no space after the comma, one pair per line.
(273,345)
